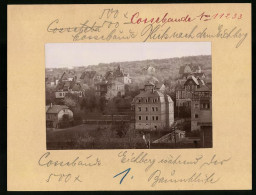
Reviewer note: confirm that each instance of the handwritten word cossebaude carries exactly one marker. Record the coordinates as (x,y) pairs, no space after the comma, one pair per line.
(89,161)
(135,19)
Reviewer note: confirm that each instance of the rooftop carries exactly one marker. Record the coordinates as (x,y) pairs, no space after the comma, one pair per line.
(55,109)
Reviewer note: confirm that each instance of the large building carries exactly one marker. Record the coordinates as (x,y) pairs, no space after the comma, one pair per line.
(153,109)
(109,89)
(185,90)
(118,75)
(201,114)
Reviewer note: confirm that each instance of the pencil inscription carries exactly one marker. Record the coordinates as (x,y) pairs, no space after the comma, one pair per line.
(112,25)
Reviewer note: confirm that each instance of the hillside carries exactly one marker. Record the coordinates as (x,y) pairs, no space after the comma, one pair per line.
(166,69)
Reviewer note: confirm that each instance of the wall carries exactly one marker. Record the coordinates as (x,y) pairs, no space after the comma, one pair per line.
(195,109)
(150,123)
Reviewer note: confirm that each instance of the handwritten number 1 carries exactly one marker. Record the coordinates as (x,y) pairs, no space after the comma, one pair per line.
(127,171)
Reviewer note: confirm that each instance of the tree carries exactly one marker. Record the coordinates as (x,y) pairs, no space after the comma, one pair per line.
(49,96)
(92,103)
(111,109)
(102,103)
(122,129)
(65,120)
(71,101)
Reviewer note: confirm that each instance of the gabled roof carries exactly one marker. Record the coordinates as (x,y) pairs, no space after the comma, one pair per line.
(203,88)
(69,74)
(209,85)
(55,109)
(149,83)
(46,108)
(197,74)
(168,98)
(179,87)
(149,94)
(193,79)
(118,72)
(159,85)
(193,68)
(90,74)
(109,73)
(66,85)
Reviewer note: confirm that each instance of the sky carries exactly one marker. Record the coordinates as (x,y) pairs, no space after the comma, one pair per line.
(58,55)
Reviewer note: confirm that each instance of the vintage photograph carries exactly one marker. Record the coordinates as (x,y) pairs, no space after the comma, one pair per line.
(154,95)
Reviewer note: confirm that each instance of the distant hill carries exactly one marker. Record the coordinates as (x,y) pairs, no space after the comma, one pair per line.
(166,69)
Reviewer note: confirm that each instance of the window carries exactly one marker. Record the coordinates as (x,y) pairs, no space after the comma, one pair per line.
(156,108)
(146,109)
(153,109)
(157,118)
(140,109)
(205,106)
(146,118)
(196,115)
(153,118)
(140,118)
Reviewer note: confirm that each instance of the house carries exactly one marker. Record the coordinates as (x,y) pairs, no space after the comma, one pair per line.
(149,70)
(71,87)
(201,108)
(109,89)
(159,85)
(201,115)
(51,81)
(58,115)
(119,75)
(185,89)
(153,109)
(90,78)
(191,70)
(68,76)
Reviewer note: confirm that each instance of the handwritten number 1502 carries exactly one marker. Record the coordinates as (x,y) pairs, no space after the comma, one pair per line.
(125,174)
